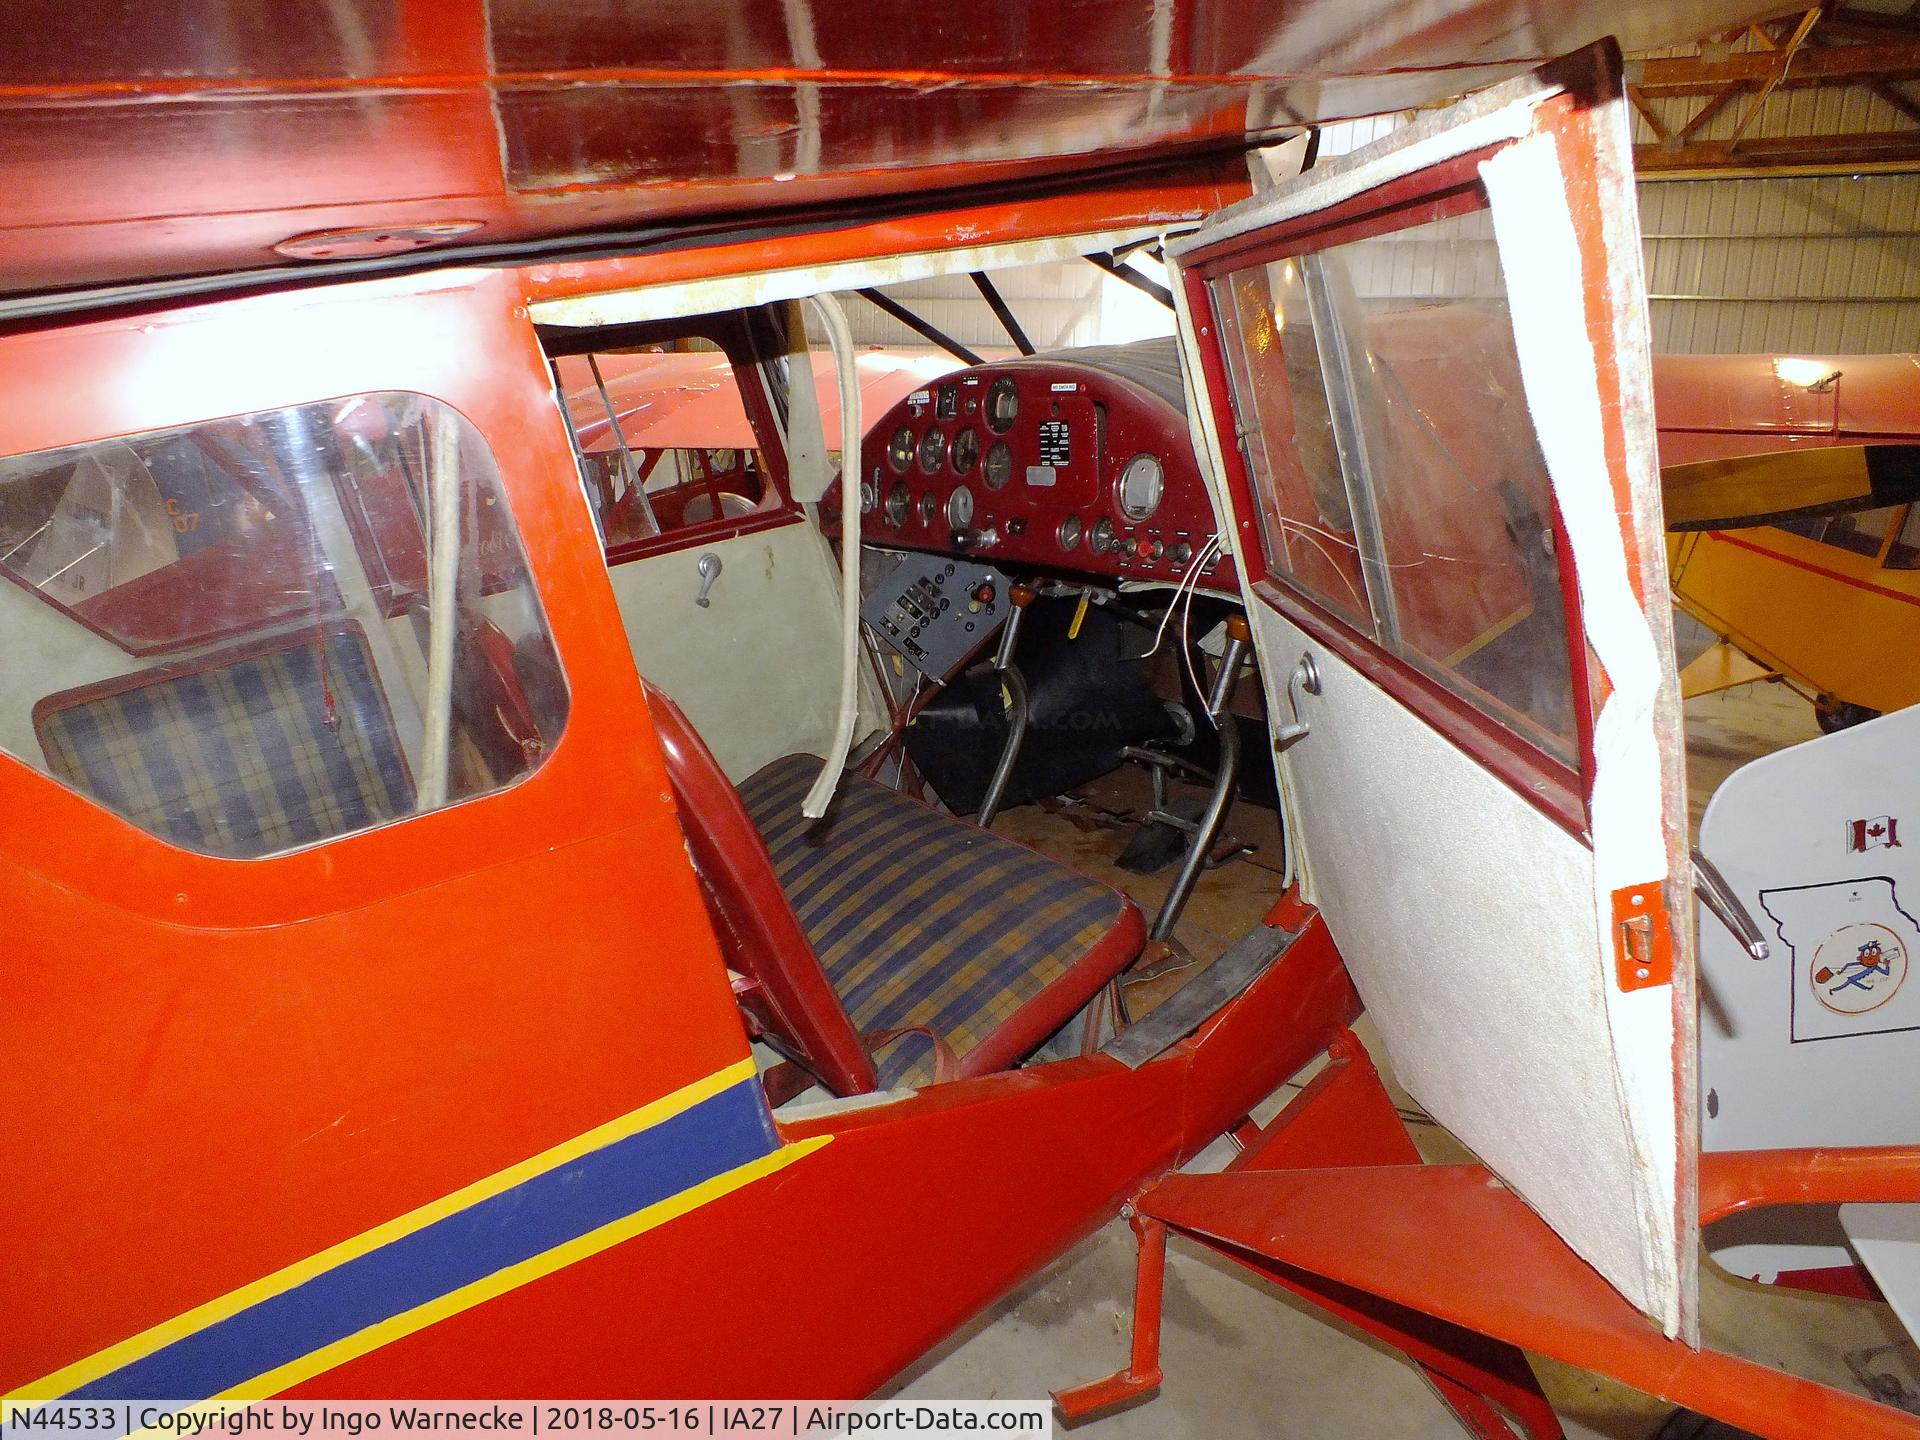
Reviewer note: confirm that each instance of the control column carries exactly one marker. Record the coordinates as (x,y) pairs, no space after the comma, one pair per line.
(1014,686)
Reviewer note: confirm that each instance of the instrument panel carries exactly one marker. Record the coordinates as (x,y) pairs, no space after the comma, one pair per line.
(1078,461)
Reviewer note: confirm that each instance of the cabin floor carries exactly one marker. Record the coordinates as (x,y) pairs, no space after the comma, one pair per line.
(1243,1357)
(1089,829)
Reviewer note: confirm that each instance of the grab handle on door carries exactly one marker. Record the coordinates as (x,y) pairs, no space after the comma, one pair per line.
(709,568)
(1305,679)
(1719,897)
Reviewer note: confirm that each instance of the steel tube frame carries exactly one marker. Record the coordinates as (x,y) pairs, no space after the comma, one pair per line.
(920,327)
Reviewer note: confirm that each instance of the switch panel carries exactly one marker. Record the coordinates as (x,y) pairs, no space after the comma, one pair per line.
(936,612)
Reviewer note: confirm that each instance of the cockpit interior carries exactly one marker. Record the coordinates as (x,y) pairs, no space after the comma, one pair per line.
(622,748)
(1046,604)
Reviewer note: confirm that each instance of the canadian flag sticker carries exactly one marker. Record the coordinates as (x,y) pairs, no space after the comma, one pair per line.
(1879,832)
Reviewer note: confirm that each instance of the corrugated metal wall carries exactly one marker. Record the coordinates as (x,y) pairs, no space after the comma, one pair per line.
(1828,263)
(1821,264)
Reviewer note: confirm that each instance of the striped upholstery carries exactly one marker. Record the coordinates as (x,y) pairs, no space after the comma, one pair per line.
(238,759)
(918,918)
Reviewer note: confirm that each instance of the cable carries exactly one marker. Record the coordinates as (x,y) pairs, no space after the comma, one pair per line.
(1191,574)
(1186,644)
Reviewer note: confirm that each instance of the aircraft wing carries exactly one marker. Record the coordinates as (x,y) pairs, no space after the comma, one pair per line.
(203,139)
(689,401)
(1766,489)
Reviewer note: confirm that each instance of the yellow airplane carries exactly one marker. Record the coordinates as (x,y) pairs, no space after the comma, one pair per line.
(1807,567)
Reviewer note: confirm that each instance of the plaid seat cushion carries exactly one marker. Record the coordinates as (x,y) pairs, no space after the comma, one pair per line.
(275,749)
(918,918)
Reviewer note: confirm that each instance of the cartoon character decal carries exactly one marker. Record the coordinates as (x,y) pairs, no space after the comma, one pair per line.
(1850,944)
(1851,984)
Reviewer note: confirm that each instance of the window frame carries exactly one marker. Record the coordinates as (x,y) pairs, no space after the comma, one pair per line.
(242,641)
(733,333)
(102,375)
(1559,790)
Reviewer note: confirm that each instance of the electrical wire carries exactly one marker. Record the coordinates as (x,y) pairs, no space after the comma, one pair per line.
(1186,644)
(1190,576)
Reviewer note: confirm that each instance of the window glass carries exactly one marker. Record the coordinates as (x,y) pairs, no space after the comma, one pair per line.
(1448,502)
(1287,437)
(1905,551)
(1862,532)
(684,453)
(245,635)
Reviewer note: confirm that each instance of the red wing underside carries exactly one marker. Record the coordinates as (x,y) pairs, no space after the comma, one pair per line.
(194,138)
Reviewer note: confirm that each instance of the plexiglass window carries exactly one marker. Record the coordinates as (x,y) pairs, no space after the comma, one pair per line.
(1292,456)
(1861,531)
(1904,553)
(256,633)
(684,454)
(1396,355)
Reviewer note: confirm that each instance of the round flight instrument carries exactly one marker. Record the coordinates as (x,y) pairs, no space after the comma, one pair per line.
(1141,485)
(900,450)
(1100,538)
(1069,532)
(999,466)
(1003,404)
(966,450)
(960,508)
(933,449)
(899,504)
(929,506)
(869,496)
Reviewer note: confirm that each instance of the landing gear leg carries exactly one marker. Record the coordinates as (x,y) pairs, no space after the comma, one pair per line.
(1142,1374)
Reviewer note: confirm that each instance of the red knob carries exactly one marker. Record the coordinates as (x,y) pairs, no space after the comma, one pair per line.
(983,592)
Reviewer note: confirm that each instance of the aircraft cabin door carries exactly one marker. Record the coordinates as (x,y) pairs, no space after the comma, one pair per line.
(1426,399)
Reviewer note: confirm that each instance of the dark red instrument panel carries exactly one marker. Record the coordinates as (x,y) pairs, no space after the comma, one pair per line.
(1077,461)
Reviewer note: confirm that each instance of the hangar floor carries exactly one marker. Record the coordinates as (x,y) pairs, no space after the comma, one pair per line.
(1244,1358)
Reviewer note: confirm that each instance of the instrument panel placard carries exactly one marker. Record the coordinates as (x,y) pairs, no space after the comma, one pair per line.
(1056,446)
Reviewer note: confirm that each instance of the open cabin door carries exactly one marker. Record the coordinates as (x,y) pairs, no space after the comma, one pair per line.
(1427,402)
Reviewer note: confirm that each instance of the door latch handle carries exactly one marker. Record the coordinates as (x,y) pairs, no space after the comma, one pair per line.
(709,568)
(1304,680)
(1719,897)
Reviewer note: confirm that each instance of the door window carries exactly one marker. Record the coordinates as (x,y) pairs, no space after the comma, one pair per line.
(1292,457)
(256,633)
(1401,483)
